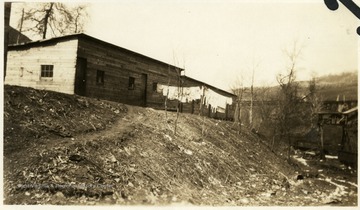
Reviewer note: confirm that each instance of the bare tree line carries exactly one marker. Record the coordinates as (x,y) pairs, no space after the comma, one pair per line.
(279,111)
(52,19)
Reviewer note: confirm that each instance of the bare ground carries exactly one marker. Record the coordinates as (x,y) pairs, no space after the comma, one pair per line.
(101,152)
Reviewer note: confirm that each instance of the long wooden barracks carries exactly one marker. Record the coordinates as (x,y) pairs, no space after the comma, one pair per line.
(84,65)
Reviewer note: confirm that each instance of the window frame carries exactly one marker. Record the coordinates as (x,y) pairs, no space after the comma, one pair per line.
(154,86)
(100,77)
(46,72)
(131,84)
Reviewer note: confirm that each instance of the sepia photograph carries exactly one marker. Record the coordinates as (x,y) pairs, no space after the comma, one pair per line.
(167,103)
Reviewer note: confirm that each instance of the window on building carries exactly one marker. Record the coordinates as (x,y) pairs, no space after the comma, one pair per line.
(100,77)
(155,86)
(47,71)
(131,83)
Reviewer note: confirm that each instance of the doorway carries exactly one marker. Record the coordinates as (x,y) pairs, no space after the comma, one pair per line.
(80,76)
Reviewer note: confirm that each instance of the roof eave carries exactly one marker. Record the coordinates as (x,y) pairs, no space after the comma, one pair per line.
(84,36)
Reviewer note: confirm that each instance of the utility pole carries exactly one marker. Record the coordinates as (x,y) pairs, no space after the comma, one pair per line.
(7,12)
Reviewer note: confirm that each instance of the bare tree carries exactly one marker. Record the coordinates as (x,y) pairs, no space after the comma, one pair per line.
(178,95)
(179,91)
(316,104)
(53,19)
(288,98)
(315,100)
(167,95)
(254,67)
(238,89)
(80,17)
(20,25)
(202,103)
(179,99)
(265,99)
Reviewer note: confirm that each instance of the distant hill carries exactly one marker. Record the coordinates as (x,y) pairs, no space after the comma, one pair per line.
(339,79)
(342,85)
(329,87)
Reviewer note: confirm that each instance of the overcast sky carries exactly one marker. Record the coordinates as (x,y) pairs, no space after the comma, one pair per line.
(218,41)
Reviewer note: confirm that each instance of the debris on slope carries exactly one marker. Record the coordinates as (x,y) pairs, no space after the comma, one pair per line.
(138,160)
(37,114)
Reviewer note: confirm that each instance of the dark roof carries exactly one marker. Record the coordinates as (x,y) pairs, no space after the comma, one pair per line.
(80,36)
(210,86)
(16,37)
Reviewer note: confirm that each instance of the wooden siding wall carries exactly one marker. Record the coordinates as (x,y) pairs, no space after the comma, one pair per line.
(118,65)
(24,67)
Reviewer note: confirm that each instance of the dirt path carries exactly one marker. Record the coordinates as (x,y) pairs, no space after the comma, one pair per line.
(120,127)
(16,163)
(123,125)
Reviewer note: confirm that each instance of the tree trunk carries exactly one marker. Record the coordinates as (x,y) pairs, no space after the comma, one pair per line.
(202,102)
(21,26)
(46,19)
(178,109)
(251,107)
(167,94)
(322,152)
(237,116)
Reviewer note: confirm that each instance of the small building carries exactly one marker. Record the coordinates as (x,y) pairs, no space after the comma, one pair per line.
(83,65)
(216,102)
(342,132)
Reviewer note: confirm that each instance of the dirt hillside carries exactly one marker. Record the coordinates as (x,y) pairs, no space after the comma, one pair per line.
(62,149)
